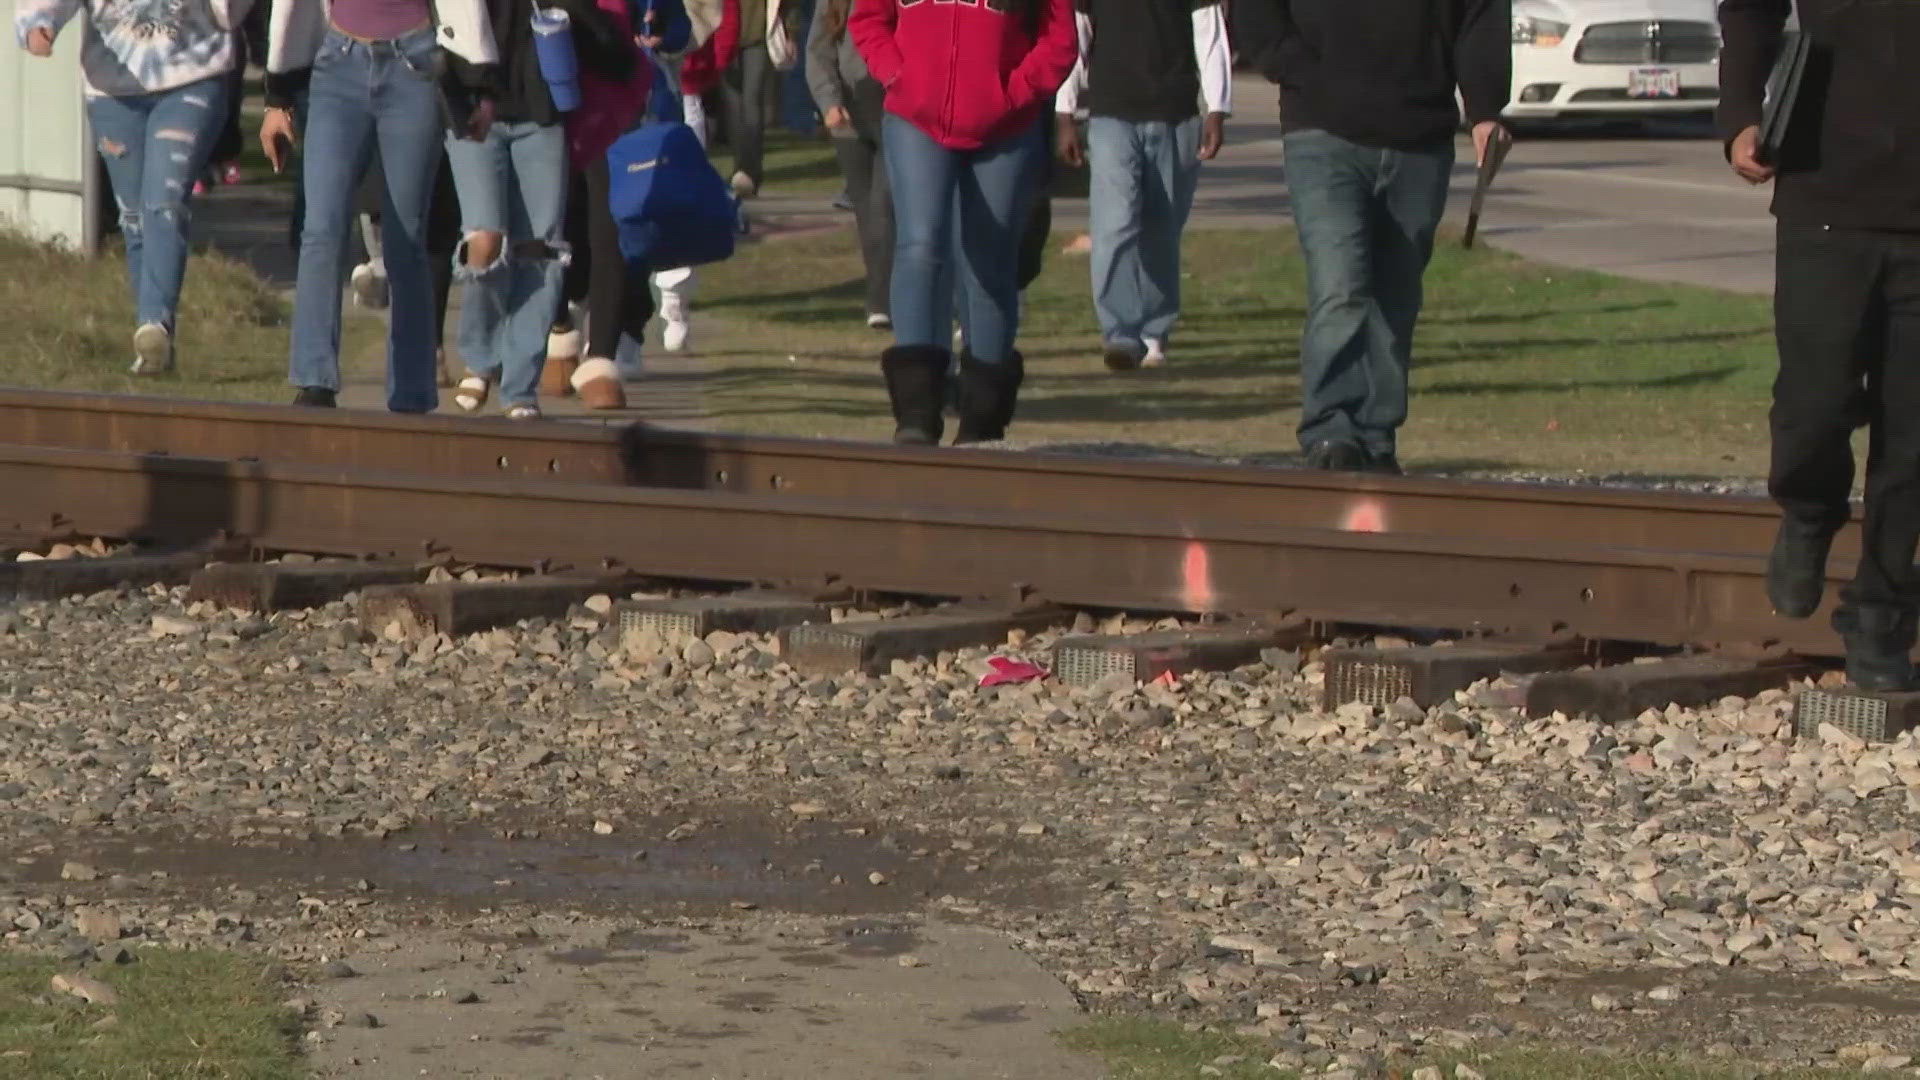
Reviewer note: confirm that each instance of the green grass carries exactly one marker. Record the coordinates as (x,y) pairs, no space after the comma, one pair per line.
(795,164)
(1517,366)
(180,1015)
(1136,1049)
(72,326)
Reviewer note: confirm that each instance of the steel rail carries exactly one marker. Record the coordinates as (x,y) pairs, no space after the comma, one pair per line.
(1189,494)
(1100,556)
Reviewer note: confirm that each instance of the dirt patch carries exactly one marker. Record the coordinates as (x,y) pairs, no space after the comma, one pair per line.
(665,868)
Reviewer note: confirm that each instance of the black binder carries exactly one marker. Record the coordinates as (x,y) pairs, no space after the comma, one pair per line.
(1783,94)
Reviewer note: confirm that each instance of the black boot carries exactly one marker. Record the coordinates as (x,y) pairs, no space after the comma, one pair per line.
(988,394)
(1879,643)
(917,385)
(1797,568)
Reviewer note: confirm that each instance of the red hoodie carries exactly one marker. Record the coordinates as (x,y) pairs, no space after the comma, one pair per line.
(963,71)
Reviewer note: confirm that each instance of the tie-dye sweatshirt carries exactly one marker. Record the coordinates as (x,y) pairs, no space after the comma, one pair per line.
(142,46)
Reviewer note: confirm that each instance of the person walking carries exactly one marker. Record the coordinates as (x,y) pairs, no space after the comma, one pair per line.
(156,89)
(1145,67)
(1367,120)
(965,86)
(851,102)
(513,199)
(373,71)
(619,303)
(1846,305)
(707,57)
(748,91)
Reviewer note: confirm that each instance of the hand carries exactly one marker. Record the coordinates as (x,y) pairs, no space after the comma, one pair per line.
(481,120)
(1213,133)
(837,118)
(1068,140)
(1745,156)
(649,36)
(40,41)
(276,136)
(1487,134)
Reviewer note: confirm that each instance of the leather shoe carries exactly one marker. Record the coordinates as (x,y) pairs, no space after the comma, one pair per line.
(1797,567)
(1334,455)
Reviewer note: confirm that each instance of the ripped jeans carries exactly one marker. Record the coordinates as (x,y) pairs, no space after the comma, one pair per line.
(513,184)
(154,145)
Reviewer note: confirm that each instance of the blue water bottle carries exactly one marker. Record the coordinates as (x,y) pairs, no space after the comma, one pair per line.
(553,45)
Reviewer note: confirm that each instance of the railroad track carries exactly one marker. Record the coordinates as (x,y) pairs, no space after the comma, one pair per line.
(1521,561)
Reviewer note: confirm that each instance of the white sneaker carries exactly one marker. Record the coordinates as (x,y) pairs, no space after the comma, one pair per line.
(152,350)
(1156,353)
(370,288)
(959,340)
(879,320)
(743,186)
(673,309)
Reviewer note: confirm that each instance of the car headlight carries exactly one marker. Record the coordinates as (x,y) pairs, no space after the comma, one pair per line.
(1541,33)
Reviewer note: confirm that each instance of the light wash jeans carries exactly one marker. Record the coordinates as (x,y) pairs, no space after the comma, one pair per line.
(1141,180)
(514,182)
(1366,219)
(362,93)
(154,145)
(958,216)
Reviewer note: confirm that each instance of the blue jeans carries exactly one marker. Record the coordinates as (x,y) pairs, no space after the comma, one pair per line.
(957,219)
(361,92)
(154,146)
(1142,176)
(1366,219)
(513,183)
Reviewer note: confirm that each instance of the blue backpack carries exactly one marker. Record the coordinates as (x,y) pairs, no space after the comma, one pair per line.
(669,204)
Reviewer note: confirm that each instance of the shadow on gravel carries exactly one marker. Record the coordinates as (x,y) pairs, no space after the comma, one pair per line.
(665,868)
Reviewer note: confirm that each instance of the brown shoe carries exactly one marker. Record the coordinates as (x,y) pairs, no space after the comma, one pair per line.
(563,359)
(598,383)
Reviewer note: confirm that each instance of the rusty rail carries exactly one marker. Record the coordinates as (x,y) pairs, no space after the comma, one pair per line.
(1075,552)
(1192,495)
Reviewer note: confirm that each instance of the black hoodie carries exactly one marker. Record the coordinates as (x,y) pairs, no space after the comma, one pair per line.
(520,92)
(1852,152)
(1382,72)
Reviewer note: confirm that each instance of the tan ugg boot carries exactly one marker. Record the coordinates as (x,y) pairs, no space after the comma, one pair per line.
(598,383)
(563,359)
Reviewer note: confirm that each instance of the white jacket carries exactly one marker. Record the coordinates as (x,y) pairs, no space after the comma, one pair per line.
(295,29)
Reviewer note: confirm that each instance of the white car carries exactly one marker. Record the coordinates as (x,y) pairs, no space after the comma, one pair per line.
(1614,58)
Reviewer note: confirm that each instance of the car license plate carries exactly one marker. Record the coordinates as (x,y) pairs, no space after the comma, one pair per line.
(1653,83)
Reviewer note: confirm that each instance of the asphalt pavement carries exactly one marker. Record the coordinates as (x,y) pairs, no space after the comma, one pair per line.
(1653,200)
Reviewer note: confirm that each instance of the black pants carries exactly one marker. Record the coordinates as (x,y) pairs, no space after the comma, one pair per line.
(747,86)
(1033,239)
(619,299)
(1847,318)
(865,170)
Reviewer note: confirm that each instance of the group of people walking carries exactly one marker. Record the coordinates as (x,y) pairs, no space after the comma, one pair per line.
(942,114)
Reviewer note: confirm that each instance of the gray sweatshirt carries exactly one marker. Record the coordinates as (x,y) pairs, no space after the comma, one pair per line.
(834,66)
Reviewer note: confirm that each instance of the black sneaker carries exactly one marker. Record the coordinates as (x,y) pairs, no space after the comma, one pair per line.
(1386,464)
(1797,568)
(318,397)
(1336,456)
(1879,643)
(1121,358)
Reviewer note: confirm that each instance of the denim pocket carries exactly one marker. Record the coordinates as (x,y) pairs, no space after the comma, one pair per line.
(422,56)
